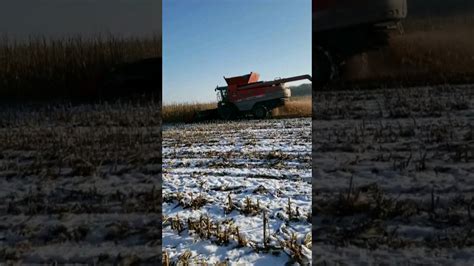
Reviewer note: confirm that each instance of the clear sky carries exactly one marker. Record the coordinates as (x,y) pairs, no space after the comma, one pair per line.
(204,40)
(57,18)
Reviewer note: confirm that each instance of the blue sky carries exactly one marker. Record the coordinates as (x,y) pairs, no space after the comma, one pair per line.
(204,40)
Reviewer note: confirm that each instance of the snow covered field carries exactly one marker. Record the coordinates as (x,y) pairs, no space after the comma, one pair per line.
(219,182)
(80,184)
(394,176)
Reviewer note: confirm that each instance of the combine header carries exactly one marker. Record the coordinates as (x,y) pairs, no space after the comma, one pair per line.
(246,95)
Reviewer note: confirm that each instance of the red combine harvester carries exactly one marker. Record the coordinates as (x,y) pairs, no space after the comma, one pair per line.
(246,95)
(344,28)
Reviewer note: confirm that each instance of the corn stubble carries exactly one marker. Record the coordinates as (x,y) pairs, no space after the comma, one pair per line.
(386,162)
(244,191)
(81,177)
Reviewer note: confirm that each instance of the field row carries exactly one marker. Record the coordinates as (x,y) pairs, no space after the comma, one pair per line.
(393,175)
(243,188)
(74,192)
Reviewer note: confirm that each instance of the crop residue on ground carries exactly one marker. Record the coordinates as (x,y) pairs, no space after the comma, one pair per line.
(80,184)
(393,175)
(238,192)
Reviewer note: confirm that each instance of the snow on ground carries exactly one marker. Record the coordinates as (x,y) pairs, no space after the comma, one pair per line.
(256,167)
(80,184)
(393,176)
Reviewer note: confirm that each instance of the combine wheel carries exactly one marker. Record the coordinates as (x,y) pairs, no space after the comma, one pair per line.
(260,112)
(227,112)
(325,68)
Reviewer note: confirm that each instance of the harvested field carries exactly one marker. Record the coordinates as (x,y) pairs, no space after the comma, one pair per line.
(393,176)
(80,184)
(237,192)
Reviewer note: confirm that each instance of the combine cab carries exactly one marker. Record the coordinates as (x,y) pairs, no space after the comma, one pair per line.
(344,28)
(246,95)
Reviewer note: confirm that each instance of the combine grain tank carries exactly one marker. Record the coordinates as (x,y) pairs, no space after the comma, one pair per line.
(247,95)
